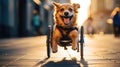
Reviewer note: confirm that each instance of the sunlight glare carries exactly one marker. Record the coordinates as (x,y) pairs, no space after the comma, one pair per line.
(83,11)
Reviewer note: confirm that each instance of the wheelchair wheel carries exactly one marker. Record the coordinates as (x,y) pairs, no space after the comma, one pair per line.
(49,35)
(48,50)
(82,41)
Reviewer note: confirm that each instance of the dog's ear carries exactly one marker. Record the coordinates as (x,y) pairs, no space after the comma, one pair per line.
(76,6)
(56,4)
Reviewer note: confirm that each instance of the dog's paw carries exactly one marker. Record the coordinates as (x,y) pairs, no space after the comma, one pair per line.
(74,48)
(54,51)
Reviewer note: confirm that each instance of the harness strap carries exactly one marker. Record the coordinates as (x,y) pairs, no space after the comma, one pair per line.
(68,30)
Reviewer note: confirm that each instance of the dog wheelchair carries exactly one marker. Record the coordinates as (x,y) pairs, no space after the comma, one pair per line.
(64,42)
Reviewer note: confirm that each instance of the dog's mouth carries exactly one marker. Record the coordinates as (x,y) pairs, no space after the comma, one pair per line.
(66,19)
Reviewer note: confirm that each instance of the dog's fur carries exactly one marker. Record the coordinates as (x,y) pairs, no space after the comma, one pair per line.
(65,15)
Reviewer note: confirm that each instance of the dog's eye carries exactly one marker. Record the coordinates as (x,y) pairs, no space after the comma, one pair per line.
(62,9)
(70,9)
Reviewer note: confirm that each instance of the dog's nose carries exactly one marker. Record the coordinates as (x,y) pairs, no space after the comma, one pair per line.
(66,13)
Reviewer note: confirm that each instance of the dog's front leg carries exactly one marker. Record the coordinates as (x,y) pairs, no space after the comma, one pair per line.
(74,37)
(55,39)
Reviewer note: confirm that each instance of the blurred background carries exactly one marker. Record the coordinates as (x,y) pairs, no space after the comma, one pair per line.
(19,18)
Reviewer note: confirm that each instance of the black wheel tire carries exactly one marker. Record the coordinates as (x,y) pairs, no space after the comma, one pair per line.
(82,41)
(48,50)
(49,35)
(78,48)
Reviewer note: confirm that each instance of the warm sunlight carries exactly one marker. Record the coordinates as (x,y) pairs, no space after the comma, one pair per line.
(83,11)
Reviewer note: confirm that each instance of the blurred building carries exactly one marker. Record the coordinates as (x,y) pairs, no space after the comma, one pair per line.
(16,16)
(101,11)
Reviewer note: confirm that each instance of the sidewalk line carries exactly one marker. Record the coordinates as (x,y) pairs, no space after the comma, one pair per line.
(15,60)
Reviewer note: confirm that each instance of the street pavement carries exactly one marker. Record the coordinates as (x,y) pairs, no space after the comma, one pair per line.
(99,51)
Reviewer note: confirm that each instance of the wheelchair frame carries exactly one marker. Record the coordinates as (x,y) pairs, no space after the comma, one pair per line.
(79,45)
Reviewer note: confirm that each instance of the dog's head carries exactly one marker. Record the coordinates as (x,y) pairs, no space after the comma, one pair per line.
(65,14)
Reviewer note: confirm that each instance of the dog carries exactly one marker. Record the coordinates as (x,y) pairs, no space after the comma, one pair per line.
(65,16)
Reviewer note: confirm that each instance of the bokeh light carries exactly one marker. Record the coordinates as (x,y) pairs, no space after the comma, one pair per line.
(83,11)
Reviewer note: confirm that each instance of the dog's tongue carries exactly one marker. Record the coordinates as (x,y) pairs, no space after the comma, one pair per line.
(66,20)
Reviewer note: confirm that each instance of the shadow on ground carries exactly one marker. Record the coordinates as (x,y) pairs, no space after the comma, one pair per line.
(63,63)
(41,62)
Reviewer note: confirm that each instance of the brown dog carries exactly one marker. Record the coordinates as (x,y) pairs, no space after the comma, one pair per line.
(65,16)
